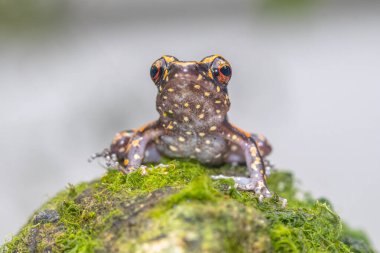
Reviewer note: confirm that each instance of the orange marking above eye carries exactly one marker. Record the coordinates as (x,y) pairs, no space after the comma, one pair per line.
(169,58)
(210,58)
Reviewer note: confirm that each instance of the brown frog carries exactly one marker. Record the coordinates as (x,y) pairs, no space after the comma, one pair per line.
(193,102)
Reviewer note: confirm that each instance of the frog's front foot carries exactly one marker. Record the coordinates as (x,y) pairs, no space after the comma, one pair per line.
(109,160)
(249,184)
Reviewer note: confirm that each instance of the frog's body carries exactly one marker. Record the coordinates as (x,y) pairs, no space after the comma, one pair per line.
(193,102)
(187,103)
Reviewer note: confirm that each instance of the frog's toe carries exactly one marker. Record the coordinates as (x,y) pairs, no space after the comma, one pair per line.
(103,154)
(247,184)
(109,160)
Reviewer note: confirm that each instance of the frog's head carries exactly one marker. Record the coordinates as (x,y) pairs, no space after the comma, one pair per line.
(192,90)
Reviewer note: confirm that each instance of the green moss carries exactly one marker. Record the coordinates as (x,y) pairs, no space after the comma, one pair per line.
(180,207)
(200,190)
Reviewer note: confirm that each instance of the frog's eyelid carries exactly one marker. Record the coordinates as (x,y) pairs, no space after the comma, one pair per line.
(211,58)
(169,58)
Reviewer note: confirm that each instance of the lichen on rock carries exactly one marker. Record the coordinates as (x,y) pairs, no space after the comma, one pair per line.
(178,208)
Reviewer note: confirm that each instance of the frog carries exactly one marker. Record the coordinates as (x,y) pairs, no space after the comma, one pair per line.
(192,102)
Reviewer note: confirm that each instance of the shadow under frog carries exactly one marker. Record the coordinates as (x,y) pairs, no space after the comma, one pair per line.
(193,102)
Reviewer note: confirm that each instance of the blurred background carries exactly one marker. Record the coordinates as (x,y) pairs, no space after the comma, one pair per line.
(305,74)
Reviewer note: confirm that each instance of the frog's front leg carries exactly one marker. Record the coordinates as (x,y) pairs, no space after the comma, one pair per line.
(253,159)
(138,144)
(262,143)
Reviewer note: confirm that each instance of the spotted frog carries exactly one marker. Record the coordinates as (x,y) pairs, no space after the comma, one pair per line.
(193,102)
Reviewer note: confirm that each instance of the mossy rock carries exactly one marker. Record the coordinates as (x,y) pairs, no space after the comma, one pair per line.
(178,208)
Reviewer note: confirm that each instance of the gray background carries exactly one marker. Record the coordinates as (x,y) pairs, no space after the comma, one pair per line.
(74,73)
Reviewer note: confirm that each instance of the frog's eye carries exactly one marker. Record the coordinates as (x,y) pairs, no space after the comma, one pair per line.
(221,70)
(159,69)
(156,71)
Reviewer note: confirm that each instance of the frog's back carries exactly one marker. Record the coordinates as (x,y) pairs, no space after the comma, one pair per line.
(192,107)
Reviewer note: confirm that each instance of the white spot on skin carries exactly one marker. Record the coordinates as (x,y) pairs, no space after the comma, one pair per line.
(136,143)
(260,184)
(188,133)
(136,157)
(253,151)
(201,116)
(202,134)
(197,150)
(198,106)
(186,119)
(181,139)
(213,128)
(173,148)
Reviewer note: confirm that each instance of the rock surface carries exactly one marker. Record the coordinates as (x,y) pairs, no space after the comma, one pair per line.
(180,209)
